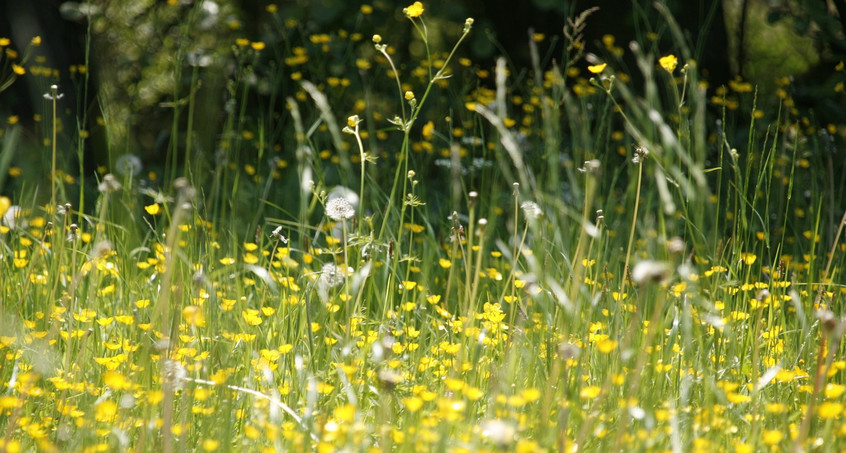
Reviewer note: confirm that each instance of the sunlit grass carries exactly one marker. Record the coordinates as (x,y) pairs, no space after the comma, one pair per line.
(434,256)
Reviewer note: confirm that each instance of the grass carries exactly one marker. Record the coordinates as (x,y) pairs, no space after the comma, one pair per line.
(500,259)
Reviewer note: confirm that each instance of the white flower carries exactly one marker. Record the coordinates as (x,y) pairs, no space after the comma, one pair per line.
(339,208)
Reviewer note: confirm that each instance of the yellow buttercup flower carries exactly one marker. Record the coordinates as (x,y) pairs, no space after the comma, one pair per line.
(5,204)
(668,62)
(415,10)
(597,68)
(153,209)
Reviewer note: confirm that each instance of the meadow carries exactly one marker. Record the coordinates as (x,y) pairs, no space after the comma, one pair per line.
(355,253)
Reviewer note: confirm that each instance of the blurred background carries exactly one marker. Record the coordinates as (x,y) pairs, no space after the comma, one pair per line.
(123,66)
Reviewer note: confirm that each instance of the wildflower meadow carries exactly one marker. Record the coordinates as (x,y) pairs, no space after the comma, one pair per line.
(273,237)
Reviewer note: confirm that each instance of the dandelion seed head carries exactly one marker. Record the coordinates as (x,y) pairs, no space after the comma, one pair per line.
(339,208)
(109,184)
(330,276)
(54,94)
(129,164)
(185,190)
(829,321)
(498,432)
(173,375)
(591,166)
(591,230)
(675,245)
(103,249)
(73,233)
(640,154)
(531,209)
(199,278)
(648,271)
(277,234)
(568,351)
(389,379)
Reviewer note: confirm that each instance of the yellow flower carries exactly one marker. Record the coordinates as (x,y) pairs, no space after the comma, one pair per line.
(669,62)
(252,317)
(5,204)
(606,346)
(193,315)
(250,258)
(105,411)
(597,68)
(153,209)
(772,437)
(830,409)
(19,70)
(737,398)
(748,258)
(415,10)
(428,130)
(116,380)
(409,285)
(589,392)
(832,390)
(740,447)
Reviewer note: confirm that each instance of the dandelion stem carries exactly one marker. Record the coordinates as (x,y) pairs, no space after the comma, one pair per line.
(54,96)
(632,230)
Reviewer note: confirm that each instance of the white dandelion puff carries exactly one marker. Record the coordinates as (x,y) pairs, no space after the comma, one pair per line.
(650,271)
(531,209)
(129,164)
(339,208)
